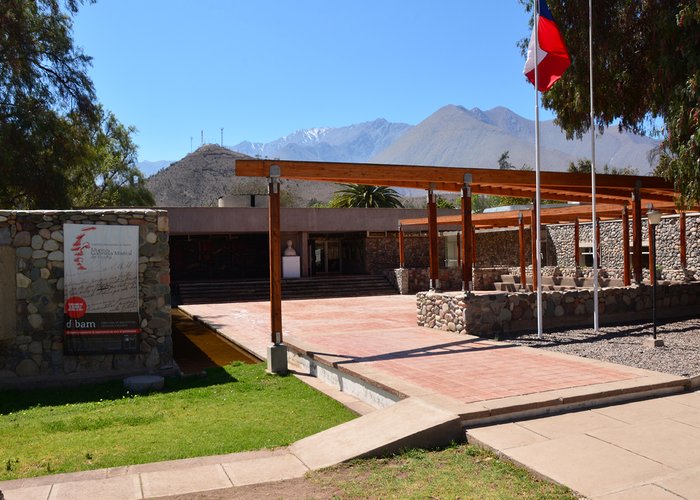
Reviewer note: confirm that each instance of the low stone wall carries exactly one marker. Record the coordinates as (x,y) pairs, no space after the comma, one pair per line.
(415,279)
(412,280)
(32,295)
(494,314)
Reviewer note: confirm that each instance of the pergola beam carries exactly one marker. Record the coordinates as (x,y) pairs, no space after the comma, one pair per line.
(521,183)
(510,218)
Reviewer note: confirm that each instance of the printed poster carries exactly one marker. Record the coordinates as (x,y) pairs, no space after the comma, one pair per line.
(101,286)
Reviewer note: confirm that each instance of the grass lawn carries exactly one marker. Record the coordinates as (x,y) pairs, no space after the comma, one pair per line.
(461,471)
(234,408)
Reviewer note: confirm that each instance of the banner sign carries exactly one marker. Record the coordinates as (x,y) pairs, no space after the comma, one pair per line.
(101,287)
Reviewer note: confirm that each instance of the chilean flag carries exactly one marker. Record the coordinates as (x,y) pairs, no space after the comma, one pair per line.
(552,56)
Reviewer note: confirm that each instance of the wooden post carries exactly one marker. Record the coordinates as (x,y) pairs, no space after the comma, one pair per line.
(459,252)
(684,261)
(467,276)
(637,233)
(577,244)
(275,261)
(625,247)
(402,248)
(521,241)
(433,242)
(277,352)
(651,232)
(474,246)
(533,244)
(597,241)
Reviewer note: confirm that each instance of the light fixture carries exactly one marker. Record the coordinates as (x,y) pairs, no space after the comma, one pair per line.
(654,217)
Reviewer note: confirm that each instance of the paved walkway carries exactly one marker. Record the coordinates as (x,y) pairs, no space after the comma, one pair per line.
(648,449)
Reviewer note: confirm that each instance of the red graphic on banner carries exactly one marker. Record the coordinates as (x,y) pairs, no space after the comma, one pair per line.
(76,307)
(79,246)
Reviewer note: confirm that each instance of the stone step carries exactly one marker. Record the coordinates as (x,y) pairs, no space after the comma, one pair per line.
(255,290)
(511,283)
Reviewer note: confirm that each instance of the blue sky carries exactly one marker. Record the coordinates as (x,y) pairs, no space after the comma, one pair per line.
(262,68)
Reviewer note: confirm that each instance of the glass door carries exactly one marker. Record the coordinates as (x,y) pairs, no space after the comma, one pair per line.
(333,261)
(325,256)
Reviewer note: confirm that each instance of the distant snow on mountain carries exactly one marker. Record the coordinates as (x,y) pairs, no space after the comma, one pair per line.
(354,143)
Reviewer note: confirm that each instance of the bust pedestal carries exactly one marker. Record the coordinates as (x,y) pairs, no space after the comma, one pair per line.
(291,266)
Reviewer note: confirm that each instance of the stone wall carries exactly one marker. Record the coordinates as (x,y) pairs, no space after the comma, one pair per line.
(501,247)
(32,296)
(382,253)
(497,313)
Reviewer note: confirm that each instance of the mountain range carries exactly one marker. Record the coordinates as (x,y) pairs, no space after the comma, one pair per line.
(452,136)
(354,143)
(456,136)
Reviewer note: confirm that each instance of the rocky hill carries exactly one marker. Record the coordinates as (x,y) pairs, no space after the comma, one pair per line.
(201,177)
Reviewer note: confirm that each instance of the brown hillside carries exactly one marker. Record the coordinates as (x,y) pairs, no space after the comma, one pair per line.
(201,177)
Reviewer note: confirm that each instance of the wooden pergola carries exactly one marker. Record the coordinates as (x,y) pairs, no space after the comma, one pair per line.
(557,215)
(622,193)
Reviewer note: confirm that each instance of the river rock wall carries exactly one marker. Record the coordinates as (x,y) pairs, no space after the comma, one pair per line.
(32,295)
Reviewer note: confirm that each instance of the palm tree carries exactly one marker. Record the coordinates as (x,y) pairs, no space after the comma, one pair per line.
(363,196)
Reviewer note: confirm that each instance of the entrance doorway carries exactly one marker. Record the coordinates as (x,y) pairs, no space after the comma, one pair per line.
(326,256)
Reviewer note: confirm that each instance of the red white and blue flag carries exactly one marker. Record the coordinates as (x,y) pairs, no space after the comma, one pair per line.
(552,56)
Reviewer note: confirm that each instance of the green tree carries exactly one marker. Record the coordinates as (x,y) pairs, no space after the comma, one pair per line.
(584,167)
(52,129)
(504,162)
(442,202)
(360,195)
(108,176)
(646,66)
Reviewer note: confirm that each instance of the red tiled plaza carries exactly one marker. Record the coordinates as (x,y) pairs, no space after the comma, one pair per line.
(376,339)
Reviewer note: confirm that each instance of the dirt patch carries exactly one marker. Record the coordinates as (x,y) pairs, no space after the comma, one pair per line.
(292,489)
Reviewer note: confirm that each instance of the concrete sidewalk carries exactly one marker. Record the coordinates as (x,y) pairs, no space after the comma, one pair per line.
(646,449)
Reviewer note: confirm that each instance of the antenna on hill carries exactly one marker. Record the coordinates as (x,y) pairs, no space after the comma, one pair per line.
(202,138)
(222,137)
(191,143)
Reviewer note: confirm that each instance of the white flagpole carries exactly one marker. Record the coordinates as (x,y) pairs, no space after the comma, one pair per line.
(538,246)
(593,208)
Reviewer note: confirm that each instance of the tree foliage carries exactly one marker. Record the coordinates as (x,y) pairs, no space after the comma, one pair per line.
(107,175)
(646,67)
(583,166)
(360,195)
(59,147)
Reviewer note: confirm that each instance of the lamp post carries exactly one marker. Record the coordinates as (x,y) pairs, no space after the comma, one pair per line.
(653,218)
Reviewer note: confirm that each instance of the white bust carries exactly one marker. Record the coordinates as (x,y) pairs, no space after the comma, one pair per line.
(290,249)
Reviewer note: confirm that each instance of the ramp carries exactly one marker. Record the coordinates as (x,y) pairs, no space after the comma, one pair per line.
(411,423)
